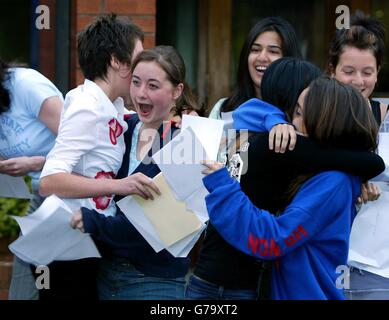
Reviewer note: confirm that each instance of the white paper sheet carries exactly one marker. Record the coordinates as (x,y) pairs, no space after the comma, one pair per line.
(29,222)
(48,236)
(179,162)
(369,237)
(86,248)
(383,151)
(13,187)
(134,213)
(208,131)
(41,245)
(196,203)
(186,180)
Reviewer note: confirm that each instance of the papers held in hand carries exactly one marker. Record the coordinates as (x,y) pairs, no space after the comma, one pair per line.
(48,236)
(170,218)
(165,222)
(175,220)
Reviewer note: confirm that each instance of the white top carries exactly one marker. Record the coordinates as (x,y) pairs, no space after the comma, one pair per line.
(90,141)
(215,112)
(228,125)
(21,131)
(133,161)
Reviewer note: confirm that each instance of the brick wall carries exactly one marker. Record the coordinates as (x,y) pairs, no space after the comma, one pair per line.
(141,12)
(47,44)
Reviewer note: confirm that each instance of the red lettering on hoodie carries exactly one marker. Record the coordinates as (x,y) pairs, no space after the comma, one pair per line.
(261,245)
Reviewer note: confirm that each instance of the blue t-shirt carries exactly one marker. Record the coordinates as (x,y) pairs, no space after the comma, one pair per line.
(21,131)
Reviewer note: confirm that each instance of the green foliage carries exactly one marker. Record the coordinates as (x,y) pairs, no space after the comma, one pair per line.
(17,207)
(8,226)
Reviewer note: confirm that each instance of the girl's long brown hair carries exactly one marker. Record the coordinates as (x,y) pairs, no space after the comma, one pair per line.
(336,115)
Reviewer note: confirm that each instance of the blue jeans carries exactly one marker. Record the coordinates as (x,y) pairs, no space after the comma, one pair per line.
(22,285)
(118,279)
(199,289)
(365,285)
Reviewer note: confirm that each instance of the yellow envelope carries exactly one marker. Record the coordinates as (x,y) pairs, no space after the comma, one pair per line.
(169,217)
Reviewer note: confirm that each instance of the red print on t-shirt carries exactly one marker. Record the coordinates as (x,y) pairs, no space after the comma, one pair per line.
(102,202)
(115,130)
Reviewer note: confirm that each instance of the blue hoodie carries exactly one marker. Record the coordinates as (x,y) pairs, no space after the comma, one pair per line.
(309,240)
(257,115)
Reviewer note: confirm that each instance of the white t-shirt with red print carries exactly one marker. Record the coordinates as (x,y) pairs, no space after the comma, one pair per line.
(90,141)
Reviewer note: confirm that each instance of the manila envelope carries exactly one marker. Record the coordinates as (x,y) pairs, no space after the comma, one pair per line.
(169,217)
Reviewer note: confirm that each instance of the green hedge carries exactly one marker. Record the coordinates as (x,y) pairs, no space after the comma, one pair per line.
(8,226)
(17,207)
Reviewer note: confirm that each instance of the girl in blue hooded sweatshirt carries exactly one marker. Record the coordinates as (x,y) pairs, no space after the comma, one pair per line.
(308,237)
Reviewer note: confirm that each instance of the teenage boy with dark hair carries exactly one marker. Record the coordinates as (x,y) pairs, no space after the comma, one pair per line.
(90,144)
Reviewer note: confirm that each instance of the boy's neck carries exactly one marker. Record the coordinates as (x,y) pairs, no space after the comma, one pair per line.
(107,88)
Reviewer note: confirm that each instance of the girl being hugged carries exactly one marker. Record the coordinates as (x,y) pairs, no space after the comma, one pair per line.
(268,40)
